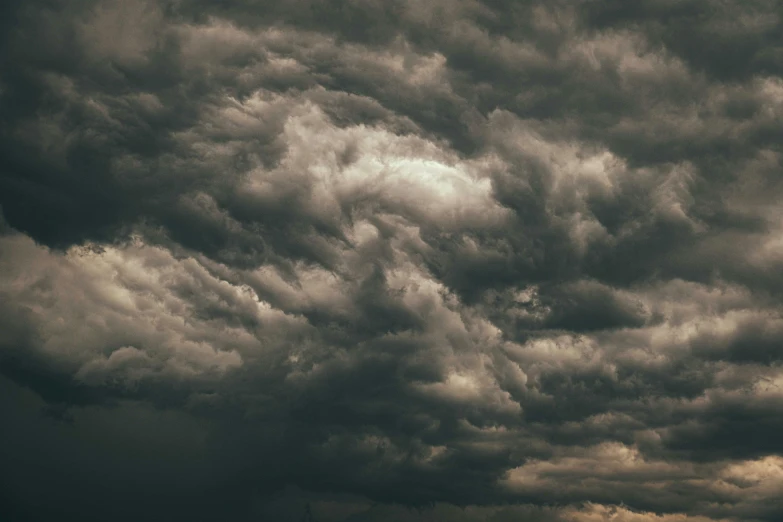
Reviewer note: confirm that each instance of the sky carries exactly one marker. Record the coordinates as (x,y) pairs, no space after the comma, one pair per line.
(391,260)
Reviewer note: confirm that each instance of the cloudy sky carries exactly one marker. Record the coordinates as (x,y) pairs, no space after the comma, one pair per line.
(391,260)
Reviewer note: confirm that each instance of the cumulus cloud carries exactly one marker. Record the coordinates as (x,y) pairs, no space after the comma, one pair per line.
(359,261)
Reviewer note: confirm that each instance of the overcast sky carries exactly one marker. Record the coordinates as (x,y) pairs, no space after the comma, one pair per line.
(391,260)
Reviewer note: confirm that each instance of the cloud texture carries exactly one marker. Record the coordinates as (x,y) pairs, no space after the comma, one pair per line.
(391,260)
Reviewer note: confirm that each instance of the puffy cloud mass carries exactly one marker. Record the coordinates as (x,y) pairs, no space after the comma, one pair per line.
(391,260)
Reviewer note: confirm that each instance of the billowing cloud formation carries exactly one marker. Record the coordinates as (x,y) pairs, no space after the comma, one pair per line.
(366,261)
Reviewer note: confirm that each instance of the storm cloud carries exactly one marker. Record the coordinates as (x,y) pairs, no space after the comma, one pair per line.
(374,260)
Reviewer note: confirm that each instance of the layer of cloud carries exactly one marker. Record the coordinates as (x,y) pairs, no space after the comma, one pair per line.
(391,260)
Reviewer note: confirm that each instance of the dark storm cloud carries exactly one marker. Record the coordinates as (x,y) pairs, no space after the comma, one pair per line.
(391,260)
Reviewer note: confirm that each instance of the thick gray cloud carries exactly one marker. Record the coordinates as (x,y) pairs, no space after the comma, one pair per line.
(366,261)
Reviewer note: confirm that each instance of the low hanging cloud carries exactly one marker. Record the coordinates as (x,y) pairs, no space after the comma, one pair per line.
(367,261)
